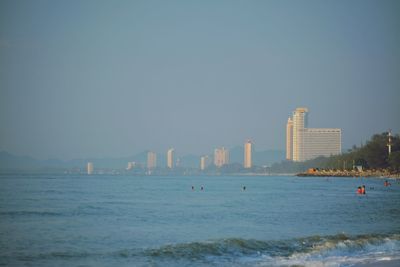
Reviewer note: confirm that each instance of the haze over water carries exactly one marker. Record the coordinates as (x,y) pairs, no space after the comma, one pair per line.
(99,78)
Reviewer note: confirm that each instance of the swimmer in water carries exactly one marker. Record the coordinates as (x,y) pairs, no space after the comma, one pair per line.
(359,190)
(363,190)
(244,188)
(192,188)
(201,188)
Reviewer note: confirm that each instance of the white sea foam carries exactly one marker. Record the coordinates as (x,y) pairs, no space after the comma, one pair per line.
(343,253)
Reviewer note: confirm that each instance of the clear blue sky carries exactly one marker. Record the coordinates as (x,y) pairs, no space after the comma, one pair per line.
(114,78)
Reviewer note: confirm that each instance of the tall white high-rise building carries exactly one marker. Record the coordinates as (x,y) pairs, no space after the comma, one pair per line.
(151,160)
(89,168)
(300,122)
(221,156)
(170,158)
(289,139)
(203,162)
(303,143)
(247,155)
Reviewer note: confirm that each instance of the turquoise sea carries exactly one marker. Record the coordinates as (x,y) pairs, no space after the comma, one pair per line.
(65,220)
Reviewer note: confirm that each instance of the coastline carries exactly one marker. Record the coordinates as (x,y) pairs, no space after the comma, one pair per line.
(384,174)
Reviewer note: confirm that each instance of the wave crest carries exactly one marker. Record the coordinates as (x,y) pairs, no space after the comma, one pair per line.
(321,246)
(335,250)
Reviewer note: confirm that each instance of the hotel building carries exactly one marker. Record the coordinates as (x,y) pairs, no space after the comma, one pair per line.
(303,143)
(289,138)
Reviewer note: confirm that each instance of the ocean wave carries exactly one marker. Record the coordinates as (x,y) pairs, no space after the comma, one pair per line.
(86,210)
(223,247)
(29,213)
(313,250)
(342,250)
(335,250)
(60,255)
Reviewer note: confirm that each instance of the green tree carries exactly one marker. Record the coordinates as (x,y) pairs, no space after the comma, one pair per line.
(394,161)
(374,155)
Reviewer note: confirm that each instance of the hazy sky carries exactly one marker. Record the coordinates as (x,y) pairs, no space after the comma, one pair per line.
(114,78)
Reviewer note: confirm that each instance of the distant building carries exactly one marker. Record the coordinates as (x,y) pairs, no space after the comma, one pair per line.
(90,168)
(203,162)
(289,139)
(247,154)
(303,143)
(321,142)
(170,158)
(151,160)
(131,165)
(300,122)
(221,156)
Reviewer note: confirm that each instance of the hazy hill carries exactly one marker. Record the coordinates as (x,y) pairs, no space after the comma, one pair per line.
(260,158)
(12,162)
(9,161)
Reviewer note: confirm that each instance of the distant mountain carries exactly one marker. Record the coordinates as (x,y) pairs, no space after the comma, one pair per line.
(9,161)
(236,154)
(12,162)
(268,157)
(190,161)
(260,158)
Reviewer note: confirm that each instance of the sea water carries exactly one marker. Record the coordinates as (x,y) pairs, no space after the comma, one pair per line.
(66,220)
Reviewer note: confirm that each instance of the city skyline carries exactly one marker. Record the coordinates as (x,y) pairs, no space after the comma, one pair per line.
(88,79)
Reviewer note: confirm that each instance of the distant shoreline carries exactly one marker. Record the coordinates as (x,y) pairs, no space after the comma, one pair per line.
(331,173)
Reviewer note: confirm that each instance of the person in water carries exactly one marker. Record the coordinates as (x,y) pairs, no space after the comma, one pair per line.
(244,188)
(192,188)
(363,190)
(201,188)
(386,183)
(359,190)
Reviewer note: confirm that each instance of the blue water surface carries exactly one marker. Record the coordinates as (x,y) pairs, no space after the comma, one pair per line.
(65,220)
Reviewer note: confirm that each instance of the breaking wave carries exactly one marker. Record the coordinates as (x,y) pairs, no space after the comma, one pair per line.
(335,250)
